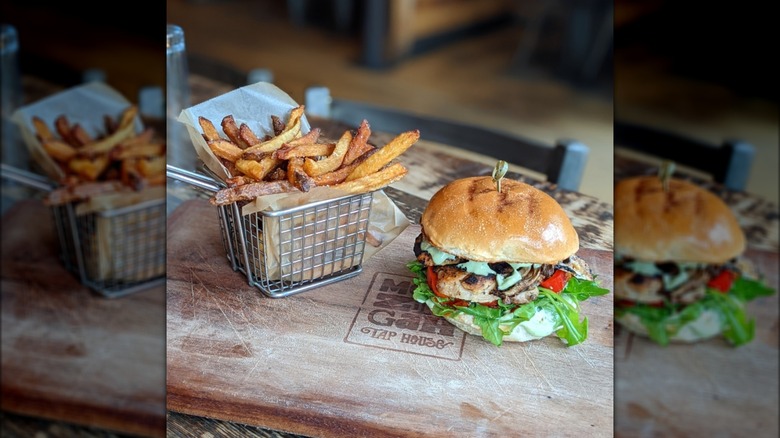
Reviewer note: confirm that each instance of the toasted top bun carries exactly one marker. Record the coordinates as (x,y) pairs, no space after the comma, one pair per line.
(686,224)
(469,218)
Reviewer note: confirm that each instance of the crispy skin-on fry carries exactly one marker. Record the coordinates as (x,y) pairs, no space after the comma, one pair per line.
(277,124)
(374,181)
(359,144)
(239,180)
(89,168)
(258,169)
(385,155)
(289,151)
(41,130)
(247,136)
(209,131)
(248,192)
(292,131)
(69,193)
(297,176)
(123,152)
(59,150)
(332,161)
(277,175)
(80,136)
(62,125)
(124,131)
(225,149)
(151,166)
(230,129)
(310,137)
(110,124)
(339,175)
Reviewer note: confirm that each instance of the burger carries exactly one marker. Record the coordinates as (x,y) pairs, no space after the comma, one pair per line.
(497,259)
(680,274)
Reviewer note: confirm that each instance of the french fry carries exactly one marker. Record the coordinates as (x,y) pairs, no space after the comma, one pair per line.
(248,192)
(310,137)
(277,124)
(62,126)
(277,174)
(89,168)
(152,166)
(209,131)
(80,136)
(110,124)
(258,169)
(276,142)
(385,155)
(41,130)
(234,181)
(374,181)
(247,136)
(359,144)
(123,132)
(123,152)
(225,149)
(290,151)
(339,175)
(59,150)
(230,129)
(333,161)
(297,176)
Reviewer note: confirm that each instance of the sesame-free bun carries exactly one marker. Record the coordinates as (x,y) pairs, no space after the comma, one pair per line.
(687,223)
(469,218)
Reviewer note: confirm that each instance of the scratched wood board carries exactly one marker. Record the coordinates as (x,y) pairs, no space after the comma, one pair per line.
(68,353)
(361,358)
(703,389)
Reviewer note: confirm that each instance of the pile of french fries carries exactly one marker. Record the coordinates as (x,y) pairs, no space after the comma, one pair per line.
(289,161)
(114,161)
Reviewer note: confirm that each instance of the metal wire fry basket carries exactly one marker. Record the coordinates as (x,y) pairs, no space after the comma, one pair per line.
(113,252)
(289,251)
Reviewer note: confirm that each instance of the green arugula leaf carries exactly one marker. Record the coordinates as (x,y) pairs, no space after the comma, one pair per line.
(748,290)
(583,289)
(737,329)
(573,331)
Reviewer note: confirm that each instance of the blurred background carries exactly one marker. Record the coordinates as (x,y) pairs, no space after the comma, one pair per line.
(538,69)
(707,73)
(76,363)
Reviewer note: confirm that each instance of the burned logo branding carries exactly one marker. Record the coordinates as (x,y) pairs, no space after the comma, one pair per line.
(389,318)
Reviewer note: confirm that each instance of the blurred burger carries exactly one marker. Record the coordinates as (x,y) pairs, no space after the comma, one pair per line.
(679,270)
(500,262)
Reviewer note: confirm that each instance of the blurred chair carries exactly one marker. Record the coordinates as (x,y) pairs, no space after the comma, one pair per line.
(728,163)
(562,163)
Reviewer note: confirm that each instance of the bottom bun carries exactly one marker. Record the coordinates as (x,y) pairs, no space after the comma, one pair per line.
(706,326)
(541,325)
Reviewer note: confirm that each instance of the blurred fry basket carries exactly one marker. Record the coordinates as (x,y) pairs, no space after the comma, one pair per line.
(293,250)
(114,252)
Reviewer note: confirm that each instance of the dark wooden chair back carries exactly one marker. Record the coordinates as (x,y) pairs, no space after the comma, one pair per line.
(562,163)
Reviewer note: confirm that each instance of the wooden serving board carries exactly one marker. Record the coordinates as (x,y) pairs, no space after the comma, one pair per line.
(361,358)
(703,389)
(69,353)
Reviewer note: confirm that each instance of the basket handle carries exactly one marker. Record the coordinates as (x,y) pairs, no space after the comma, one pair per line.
(27,178)
(192,178)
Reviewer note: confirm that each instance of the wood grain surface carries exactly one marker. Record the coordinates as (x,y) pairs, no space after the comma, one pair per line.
(68,353)
(703,389)
(360,358)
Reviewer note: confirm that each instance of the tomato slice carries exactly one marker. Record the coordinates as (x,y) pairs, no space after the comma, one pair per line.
(723,281)
(557,281)
(433,280)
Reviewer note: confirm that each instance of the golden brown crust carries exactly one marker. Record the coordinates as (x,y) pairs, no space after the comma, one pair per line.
(471,219)
(686,223)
